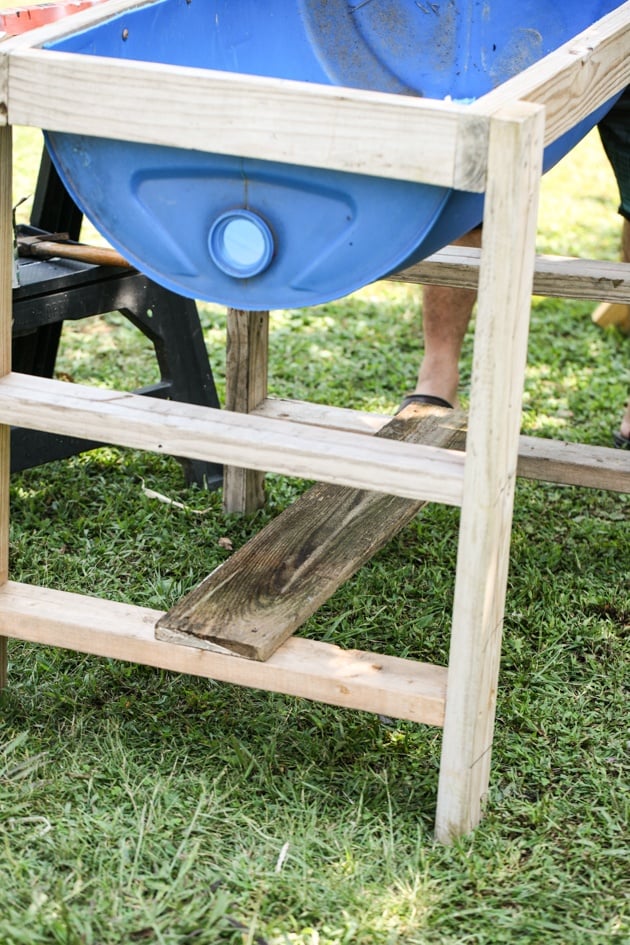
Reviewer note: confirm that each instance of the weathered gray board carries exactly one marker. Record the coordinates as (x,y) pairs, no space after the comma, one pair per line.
(267,589)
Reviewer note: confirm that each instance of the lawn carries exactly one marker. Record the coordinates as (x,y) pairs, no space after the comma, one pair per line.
(143,806)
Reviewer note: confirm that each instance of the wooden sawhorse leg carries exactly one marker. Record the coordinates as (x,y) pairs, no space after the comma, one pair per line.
(246,372)
(500,354)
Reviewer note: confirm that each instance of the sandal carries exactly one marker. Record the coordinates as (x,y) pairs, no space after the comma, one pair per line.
(427,400)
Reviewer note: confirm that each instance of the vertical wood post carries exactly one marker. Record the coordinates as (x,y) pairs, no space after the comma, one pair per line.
(500,354)
(6,308)
(246,387)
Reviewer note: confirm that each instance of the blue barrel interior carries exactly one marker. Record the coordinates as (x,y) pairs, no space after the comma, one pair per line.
(261,235)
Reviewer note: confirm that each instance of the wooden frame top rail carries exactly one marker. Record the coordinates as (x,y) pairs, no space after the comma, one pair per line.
(401,137)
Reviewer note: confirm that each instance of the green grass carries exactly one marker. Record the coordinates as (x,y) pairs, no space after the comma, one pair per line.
(142,806)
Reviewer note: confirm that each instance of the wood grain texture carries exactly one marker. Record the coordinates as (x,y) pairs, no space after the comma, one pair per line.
(322,415)
(268,588)
(246,371)
(554,276)
(352,679)
(43,34)
(575,464)
(401,137)
(180,429)
(313,125)
(500,351)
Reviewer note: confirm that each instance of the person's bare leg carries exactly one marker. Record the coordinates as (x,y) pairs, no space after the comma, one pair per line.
(625,423)
(446,313)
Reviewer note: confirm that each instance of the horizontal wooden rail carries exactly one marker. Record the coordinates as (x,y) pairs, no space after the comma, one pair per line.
(313,441)
(562,277)
(178,429)
(294,438)
(575,464)
(387,685)
(401,137)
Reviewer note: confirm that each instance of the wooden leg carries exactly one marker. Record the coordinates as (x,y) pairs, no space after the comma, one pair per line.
(6,303)
(246,388)
(500,351)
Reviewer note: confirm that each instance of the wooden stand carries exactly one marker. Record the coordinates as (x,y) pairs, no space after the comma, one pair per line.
(493,146)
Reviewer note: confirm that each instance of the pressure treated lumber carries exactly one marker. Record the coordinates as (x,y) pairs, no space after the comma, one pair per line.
(246,372)
(497,381)
(401,137)
(268,588)
(574,464)
(587,77)
(353,679)
(554,276)
(181,429)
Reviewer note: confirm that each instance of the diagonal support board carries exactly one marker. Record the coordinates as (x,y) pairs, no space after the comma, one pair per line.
(257,599)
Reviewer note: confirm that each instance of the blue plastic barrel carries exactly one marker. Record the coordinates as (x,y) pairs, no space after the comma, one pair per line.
(256,234)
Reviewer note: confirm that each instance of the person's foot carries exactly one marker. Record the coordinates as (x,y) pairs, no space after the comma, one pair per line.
(438,377)
(423,400)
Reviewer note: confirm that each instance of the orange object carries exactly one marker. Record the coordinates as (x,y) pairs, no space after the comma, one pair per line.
(27,18)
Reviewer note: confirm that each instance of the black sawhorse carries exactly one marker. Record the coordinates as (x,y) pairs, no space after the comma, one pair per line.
(53,291)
